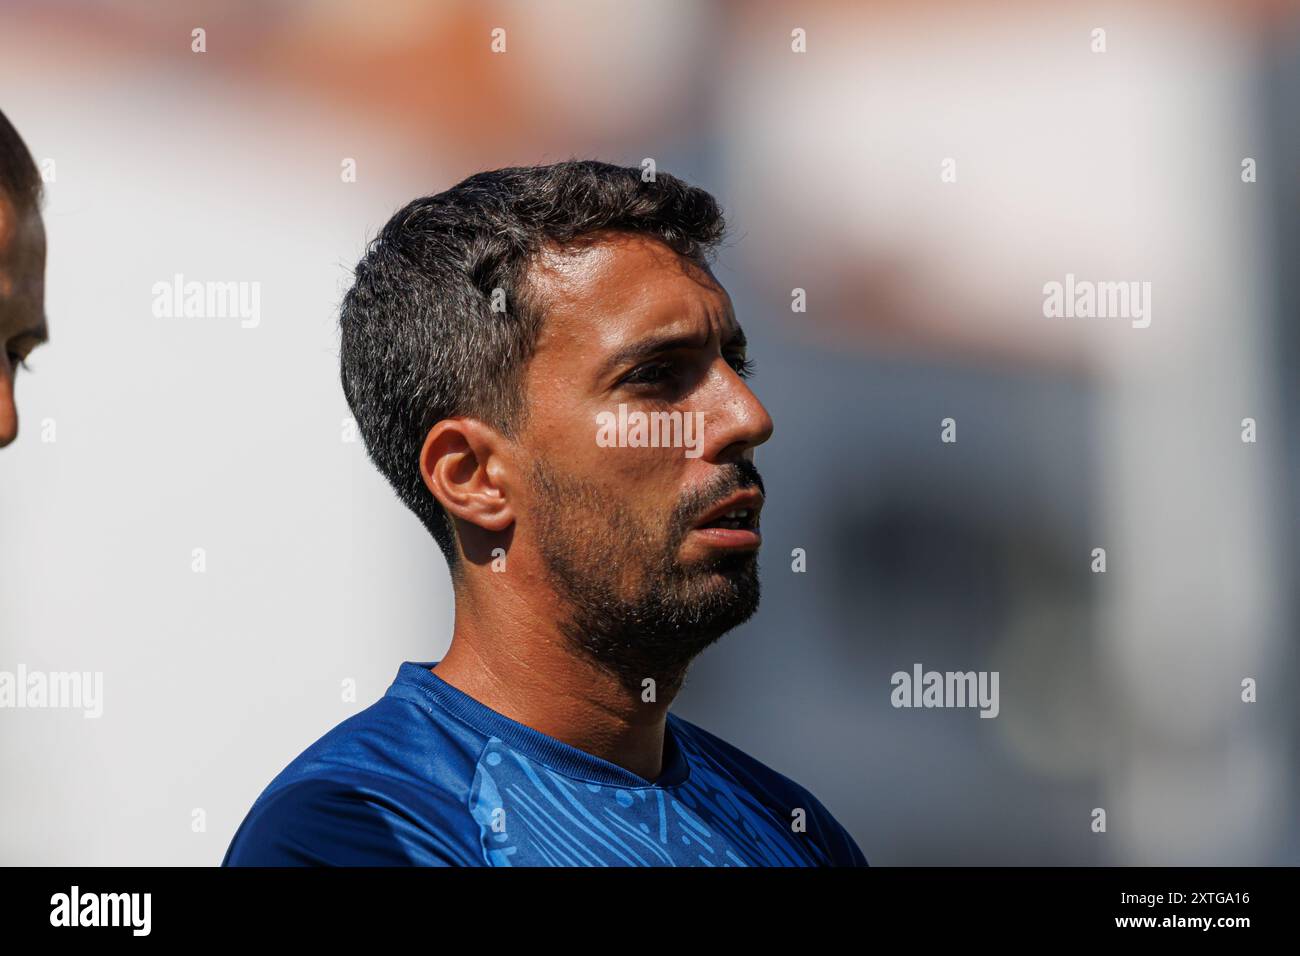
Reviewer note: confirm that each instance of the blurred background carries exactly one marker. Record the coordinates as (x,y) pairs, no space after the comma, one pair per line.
(1119,690)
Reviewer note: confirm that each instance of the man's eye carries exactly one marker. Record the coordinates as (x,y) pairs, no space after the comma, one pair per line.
(652,373)
(744,366)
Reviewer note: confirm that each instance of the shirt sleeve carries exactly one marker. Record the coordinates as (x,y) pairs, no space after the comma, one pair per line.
(318,822)
(840,845)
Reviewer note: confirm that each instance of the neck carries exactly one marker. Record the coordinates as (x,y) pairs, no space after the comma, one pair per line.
(508,653)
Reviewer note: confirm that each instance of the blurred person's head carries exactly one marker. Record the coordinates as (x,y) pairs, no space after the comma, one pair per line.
(22,268)
(493,328)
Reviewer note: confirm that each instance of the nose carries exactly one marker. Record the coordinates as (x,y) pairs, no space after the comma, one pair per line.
(8,411)
(742,423)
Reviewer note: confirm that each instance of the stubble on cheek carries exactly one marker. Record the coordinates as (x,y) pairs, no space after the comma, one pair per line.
(584,530)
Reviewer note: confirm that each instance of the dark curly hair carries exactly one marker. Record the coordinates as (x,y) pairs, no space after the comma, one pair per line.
(421,340)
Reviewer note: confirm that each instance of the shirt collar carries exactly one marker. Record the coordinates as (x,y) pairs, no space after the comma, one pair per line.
(546,750)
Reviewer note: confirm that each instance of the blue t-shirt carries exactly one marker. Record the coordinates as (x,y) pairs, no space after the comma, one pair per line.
(429,776)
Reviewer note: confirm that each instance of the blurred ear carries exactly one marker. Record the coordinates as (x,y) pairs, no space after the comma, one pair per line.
(464,465)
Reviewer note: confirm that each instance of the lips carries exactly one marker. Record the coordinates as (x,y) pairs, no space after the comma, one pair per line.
(738,512)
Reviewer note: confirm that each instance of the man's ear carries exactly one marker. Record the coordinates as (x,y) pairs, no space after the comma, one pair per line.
(465,466)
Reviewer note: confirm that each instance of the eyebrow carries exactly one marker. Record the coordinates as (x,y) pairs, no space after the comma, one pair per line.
(40,331)
(667,342)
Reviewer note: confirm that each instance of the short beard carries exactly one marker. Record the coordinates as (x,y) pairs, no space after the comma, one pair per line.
(637,611)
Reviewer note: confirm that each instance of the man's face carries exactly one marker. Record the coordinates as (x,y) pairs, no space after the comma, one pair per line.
(618,528)
(22,302)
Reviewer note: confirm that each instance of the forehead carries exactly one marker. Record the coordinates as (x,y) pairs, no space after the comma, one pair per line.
(22,269)
(22,235)
(8,224)
(619,286)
